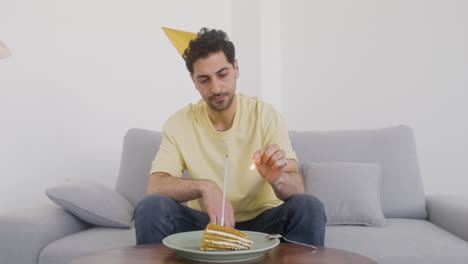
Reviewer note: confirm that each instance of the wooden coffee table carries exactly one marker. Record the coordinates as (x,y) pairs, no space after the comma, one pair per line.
(283,253)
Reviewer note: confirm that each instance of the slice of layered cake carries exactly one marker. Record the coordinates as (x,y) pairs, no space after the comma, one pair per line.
(216,237)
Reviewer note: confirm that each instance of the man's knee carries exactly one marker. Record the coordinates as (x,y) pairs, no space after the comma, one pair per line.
(155,203)
(307,203)
(153,220)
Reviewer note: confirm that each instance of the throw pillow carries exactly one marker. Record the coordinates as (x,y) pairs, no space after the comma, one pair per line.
(350,192)
(93,203)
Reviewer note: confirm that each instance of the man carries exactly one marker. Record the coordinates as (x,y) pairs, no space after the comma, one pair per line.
(268,197)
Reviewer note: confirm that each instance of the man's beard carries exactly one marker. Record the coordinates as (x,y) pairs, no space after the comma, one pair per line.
(220,105)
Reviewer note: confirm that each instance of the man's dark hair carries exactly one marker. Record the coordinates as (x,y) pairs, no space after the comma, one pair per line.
(208,41)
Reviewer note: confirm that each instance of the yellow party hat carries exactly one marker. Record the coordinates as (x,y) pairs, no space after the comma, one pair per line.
(180,39)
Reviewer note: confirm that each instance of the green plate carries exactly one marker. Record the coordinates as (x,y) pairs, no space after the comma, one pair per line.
(187,245)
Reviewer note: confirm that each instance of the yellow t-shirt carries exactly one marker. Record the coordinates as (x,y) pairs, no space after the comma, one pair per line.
(190,142)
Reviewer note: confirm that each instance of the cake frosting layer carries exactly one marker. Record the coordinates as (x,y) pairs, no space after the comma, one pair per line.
(216,237)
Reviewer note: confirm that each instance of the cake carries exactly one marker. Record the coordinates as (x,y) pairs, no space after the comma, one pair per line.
(218,238)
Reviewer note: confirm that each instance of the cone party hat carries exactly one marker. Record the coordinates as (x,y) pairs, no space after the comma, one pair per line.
(180,39)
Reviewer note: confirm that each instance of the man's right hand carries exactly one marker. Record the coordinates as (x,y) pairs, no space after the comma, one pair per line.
(183,190)
(212,196)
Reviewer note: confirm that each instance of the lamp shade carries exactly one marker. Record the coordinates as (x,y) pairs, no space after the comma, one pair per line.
(4,51)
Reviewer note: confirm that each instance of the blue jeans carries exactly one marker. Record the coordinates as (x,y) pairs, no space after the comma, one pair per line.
(300,218)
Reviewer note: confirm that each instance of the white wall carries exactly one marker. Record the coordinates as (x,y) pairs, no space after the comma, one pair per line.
(83,72)
(246,35)
(367,64)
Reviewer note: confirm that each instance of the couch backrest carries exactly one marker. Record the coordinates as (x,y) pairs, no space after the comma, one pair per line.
(139,149)
(393,148)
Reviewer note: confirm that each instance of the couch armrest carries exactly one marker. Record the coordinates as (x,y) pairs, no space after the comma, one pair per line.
(450,213)
(23,235)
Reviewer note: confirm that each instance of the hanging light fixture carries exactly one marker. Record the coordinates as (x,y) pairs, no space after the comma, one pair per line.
(4,51)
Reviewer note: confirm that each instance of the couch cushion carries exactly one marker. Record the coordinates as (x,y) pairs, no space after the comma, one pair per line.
(95,239)
(93,203)
(350,191)
(401,241)
(393,148)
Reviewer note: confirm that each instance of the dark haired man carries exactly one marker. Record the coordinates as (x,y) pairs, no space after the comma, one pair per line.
(267,199)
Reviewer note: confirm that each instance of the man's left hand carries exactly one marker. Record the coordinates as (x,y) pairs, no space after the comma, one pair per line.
(270,162)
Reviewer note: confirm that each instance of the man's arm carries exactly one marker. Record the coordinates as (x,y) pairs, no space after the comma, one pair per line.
(281,173)
(290,181)
(183,190)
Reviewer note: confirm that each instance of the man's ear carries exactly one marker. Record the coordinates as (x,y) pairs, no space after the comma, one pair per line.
(236,68)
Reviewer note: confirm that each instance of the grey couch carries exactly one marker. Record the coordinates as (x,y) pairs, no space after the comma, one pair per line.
(420,229)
